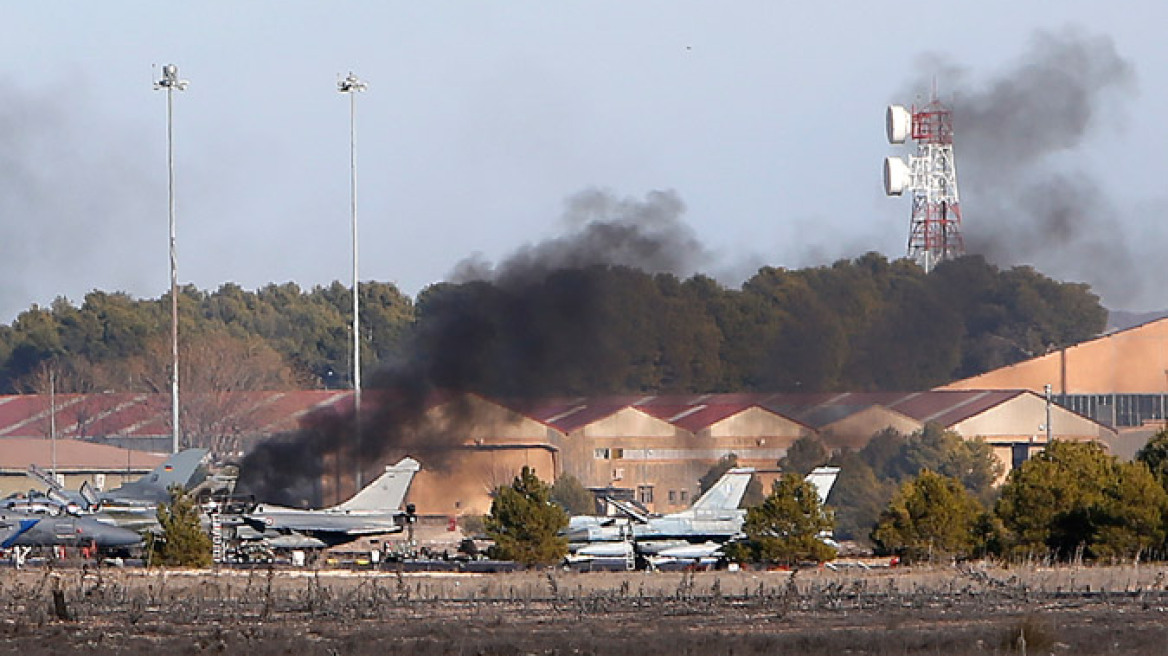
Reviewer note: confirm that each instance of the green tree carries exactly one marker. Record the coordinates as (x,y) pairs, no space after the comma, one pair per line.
(807,453)
(183,542)
(1044,503)
(1131,518)
(786,527)
(858,497)
(525,524)
(931,517)
(1074,497)
(1154,454)
(572,496)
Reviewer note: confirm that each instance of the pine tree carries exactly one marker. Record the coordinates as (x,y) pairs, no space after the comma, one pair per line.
(184,543)
(932,516)
(572,496)
(786,527)
(525,523)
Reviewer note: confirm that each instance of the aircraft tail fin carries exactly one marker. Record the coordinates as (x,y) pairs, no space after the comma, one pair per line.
(175,470)
(387,492)
(823,478)
(88,495)
(727,493)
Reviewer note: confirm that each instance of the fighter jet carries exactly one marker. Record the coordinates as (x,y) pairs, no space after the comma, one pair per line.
(64,530)
(714,516)
(143,494)
(695,533)
(372,511)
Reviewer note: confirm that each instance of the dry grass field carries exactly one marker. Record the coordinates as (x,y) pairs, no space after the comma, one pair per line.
(952,611)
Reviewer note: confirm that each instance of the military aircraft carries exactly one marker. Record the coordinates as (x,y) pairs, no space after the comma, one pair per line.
(131,506)
(714,516)
(146,492)
(697,533)
(372,511)
(65,530)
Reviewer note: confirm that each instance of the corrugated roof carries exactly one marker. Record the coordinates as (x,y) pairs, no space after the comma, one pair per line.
(17,453)
(147,415)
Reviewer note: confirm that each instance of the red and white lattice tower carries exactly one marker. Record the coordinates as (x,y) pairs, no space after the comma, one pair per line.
(931,175)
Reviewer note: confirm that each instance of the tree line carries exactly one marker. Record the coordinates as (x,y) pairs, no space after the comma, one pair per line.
(861,324)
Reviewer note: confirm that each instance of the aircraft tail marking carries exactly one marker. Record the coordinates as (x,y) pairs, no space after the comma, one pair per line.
(175,470)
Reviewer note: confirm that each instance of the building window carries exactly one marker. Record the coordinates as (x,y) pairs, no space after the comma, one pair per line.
(684,496)
(600,454)
(672,497)
(618,474)
(618,454)
(645,493)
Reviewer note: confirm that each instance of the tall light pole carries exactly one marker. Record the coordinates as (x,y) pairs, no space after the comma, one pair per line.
(352,86)
(171,83)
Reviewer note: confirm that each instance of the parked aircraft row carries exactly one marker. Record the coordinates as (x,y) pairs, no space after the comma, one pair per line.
(117,518)
(696,533)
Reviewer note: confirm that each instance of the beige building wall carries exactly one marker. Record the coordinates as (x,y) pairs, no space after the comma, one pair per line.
(18,481)
(630,422)
(854,431)
(478,420)
(616,451)
(465,487)
(492,443)
(757,422)
(1021,421)
(662,463)
(1133,361)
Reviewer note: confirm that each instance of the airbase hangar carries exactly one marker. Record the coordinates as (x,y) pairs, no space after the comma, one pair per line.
(649,448)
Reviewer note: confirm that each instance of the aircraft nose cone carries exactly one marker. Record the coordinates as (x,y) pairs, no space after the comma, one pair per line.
(118,537)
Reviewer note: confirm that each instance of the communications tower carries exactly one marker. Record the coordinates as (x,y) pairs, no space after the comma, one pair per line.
(931,176)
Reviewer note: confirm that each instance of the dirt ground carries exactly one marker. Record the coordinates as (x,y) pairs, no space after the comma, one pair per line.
(951,610)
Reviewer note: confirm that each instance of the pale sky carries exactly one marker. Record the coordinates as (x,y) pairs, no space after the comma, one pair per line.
(765,118)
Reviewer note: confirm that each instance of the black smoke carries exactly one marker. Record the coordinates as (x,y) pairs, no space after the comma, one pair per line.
(1027,195)
(602,229)
(546,320)
(66,171)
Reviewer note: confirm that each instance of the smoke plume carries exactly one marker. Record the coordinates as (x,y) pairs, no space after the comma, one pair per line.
(603,230)
(543,321)
(60,178)
(1025,197)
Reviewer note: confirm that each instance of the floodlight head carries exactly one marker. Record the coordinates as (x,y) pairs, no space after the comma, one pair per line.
(170,79)
(898,124)
(897,176)
(351,84)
